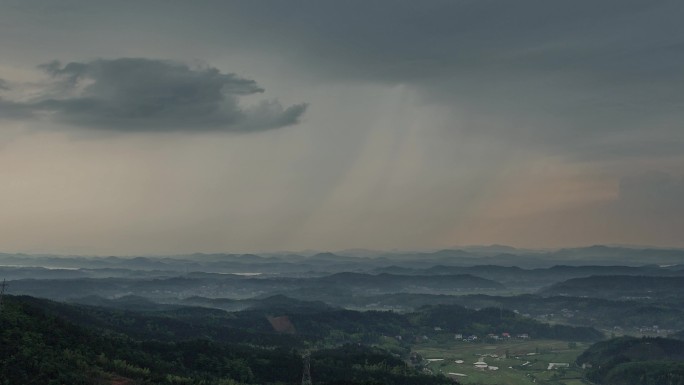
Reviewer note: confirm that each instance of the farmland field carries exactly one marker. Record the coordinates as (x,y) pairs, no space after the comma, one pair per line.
(516,362)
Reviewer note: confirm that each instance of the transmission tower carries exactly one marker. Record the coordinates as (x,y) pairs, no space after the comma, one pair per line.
(3,285)
(306,373)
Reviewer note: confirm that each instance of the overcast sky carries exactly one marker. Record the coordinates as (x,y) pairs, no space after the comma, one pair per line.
(149,127)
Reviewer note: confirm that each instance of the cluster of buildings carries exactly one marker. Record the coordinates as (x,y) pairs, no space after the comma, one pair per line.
(491,336)
(649,329)
(564,313)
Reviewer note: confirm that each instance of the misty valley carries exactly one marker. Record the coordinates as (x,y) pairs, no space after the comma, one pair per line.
(480,315)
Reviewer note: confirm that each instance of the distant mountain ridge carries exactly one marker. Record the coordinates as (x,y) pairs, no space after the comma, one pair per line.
(216,285)
(620,286)
(467,256)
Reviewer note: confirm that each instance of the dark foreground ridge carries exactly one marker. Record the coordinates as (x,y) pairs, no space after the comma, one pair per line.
(39,346)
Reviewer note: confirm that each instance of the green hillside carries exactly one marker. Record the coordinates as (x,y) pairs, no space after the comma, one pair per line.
(38,345)
(635,361)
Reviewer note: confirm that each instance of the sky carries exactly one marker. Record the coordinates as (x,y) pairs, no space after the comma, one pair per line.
(168,127)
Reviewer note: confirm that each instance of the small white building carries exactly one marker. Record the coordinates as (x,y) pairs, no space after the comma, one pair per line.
(458,374)
(557,365)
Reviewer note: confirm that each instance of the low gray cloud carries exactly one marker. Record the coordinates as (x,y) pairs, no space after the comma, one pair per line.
(4,85)
(399,41)
(137,94)
(15,110)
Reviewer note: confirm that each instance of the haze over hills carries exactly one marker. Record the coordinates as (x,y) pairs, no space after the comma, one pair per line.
(337,278)
(393,301)
(497,255)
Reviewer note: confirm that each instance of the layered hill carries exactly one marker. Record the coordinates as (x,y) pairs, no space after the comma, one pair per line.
(620,286)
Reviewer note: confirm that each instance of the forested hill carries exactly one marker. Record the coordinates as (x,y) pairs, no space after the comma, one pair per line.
(248,287)
(514,276)
(395,282)
(324,327)
(678,335)
(495,320)
(620,286)
(635,361)
(42,340)
(37,346)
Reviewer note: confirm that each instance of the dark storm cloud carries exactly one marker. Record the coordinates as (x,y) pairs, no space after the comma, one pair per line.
(401,40)
(407,40)
(563,75)
(135,94)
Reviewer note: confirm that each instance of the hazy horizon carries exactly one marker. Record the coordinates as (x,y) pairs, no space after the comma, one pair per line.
(474,250)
